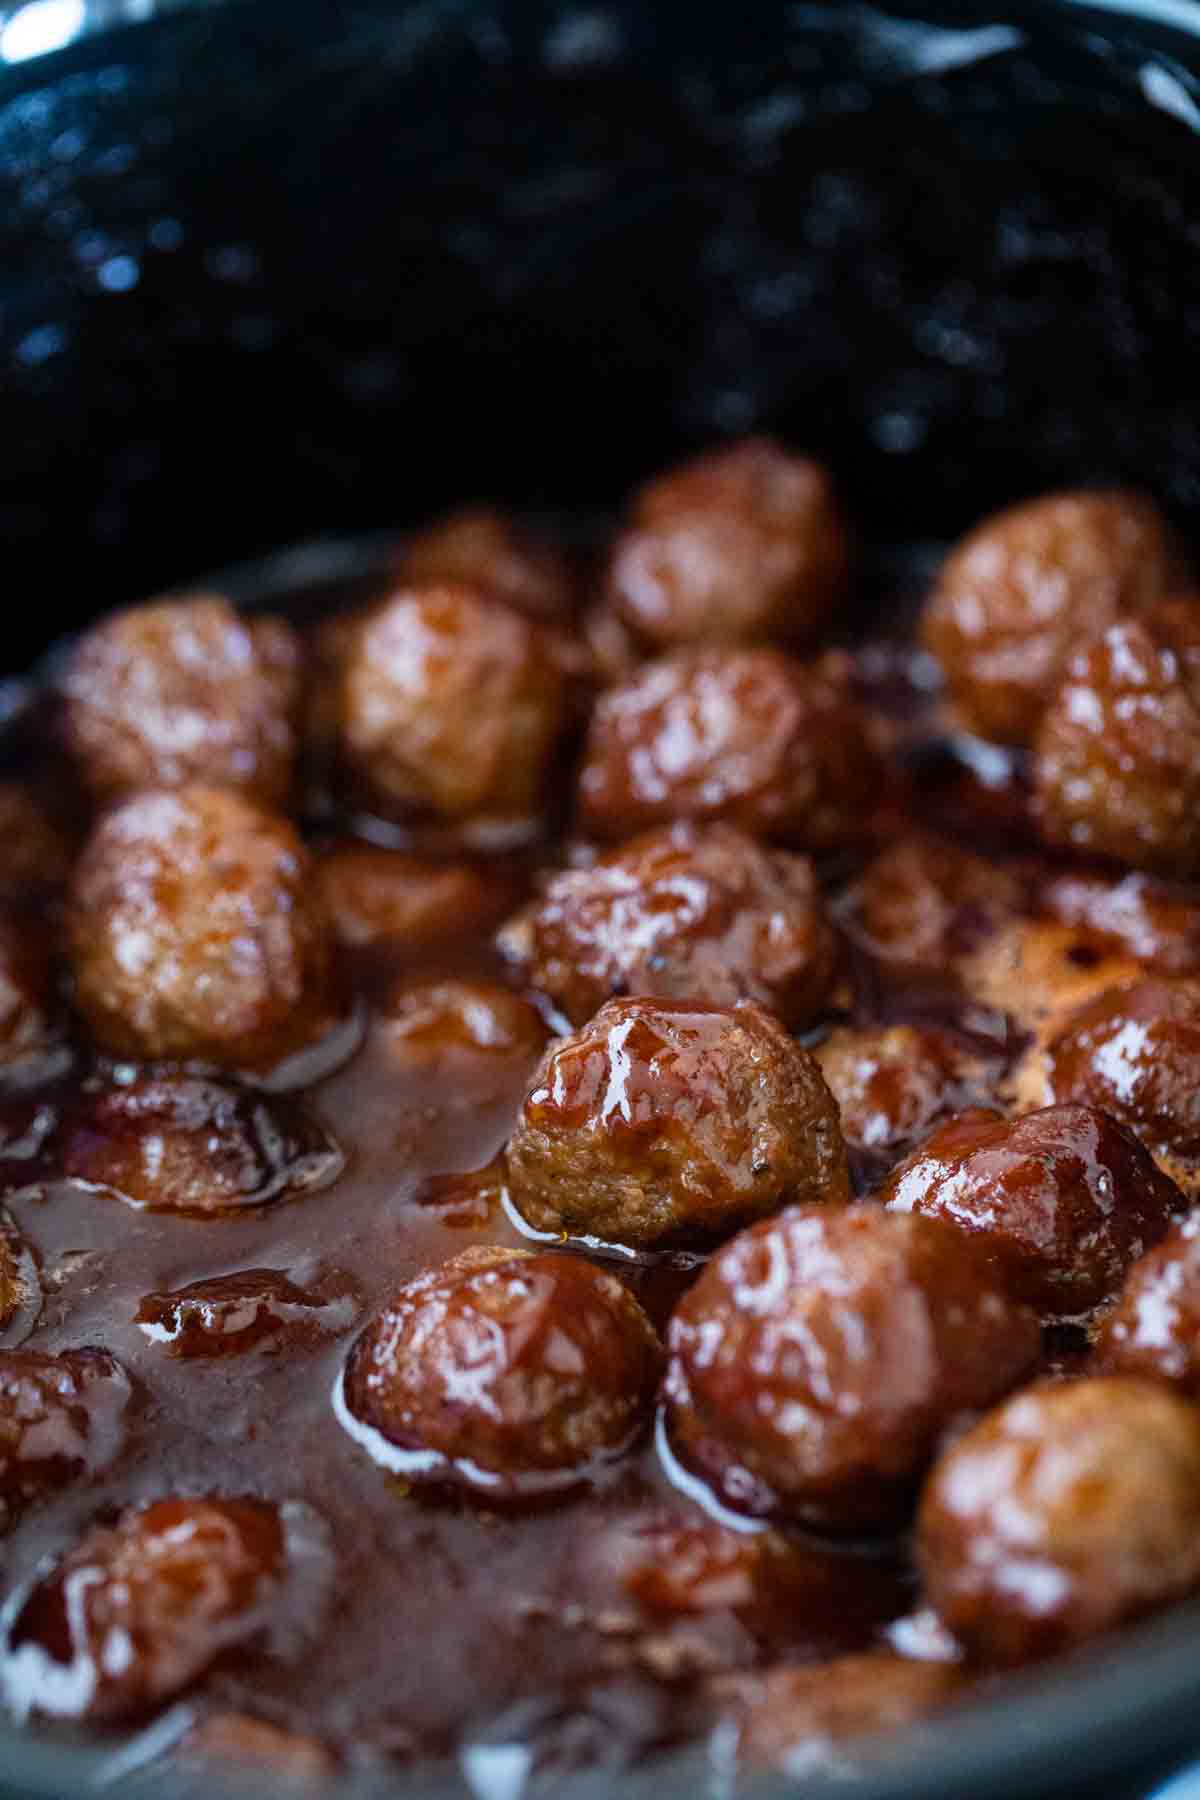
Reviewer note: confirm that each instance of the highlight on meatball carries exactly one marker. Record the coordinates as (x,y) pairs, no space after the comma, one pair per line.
(893,1083)
(751,737)
(741,545)
(183,690)
(1134,1051)
(670,1120)
(481,547)
(391,900)
(439,1023)
(1072,1508)
(926,900)
(507,1372)
(689,913)
(1063,1200)
(1117,754)
(797,1718)
(1154,1328)
(1016,596)
(452,709)
(821,1357)
(61,1420)
(195,931)
(254,1309)
(1134,915)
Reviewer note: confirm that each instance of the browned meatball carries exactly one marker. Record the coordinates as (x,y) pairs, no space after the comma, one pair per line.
(176,1143)
(452,707)
(1117,754)
(388,898)
(230,1738)
(1154,1329)
(796,1717)
(751,737)
(195,931)
(821,1356)
(893,1082)
(183,690)
(666,1119)
(740,545)
(1018,593)
(1135,1052)
(1149,920)
(1063,1200)
(256,1309)
(926,900)
(1069,1509)
(442,1021)
(689,913)
(61,1419)
(38,851)
(487,549)
(505,1371)
(137,1610)
(27,1000)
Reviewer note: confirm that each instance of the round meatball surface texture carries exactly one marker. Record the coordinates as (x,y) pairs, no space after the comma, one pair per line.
(687,913)
(1071,1508)
(61,1420)
(195,931)
(452,707)
(390,899)
(484,548)
(750,737)
(434,1022)
(183,690)
(1155,923)
(1063,1200)
(665,1120)
(1135,1051)
(1015,597)
(821,1356)
(929,901)
(1154,1329)
(893,1083)
(796,1717)
(505,1371)
(741,545)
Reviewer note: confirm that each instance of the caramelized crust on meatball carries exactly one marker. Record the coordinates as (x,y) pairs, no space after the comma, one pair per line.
(1021,590)
(1135,1051)
(927,900)
(821,1356)
(505,1371)
(797,1716)
(183,690)
(484,548)
(397,901)
(750,737)
(740,545)
(61,1420)
(663,1120)
(687,913)
(195,931)
(1154,1329)
(893,1083)
(1069,1509)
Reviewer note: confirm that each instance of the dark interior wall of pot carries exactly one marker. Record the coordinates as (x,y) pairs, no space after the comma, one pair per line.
(291,268)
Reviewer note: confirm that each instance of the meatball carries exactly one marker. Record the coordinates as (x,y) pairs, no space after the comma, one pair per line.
(688,913)
(256,1309)
(822,1355)
(27,997)
(505,1371)
(741,545)
(444,1021)
(38,852)
(483,548)
(183,690)
(1016,595)
(926,900)
(796,1717)
(195,931)
(1117,753)
(1069,1509)
(893,1082)
(751,737)
(666,1119)
(139,1609)
(1135,1051)
(452,707)
(1154,1329)
(175,1143)
(61,1419)
(1063,1200)
(396,901)
(1154,923)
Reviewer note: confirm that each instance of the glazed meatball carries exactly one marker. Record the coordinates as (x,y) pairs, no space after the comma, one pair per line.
(27,999)
(1135,1052)
(483,548)
(1154,1329)
(61,1419)
(797,1716)
(926,900)
(1069,1509)
(1063,1200)
(452,707)
(1015,597)
(38,851)
(821,1356)
(670,1119)
(893,1082)
(505,1371)
(256,1309)
(396,901)
(750,737)
(687,913)
(195,931)
(183,690)
(139,1609)
(174,1143)
(1117,753)
(742,545)
(1156,924)
(440,1021)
